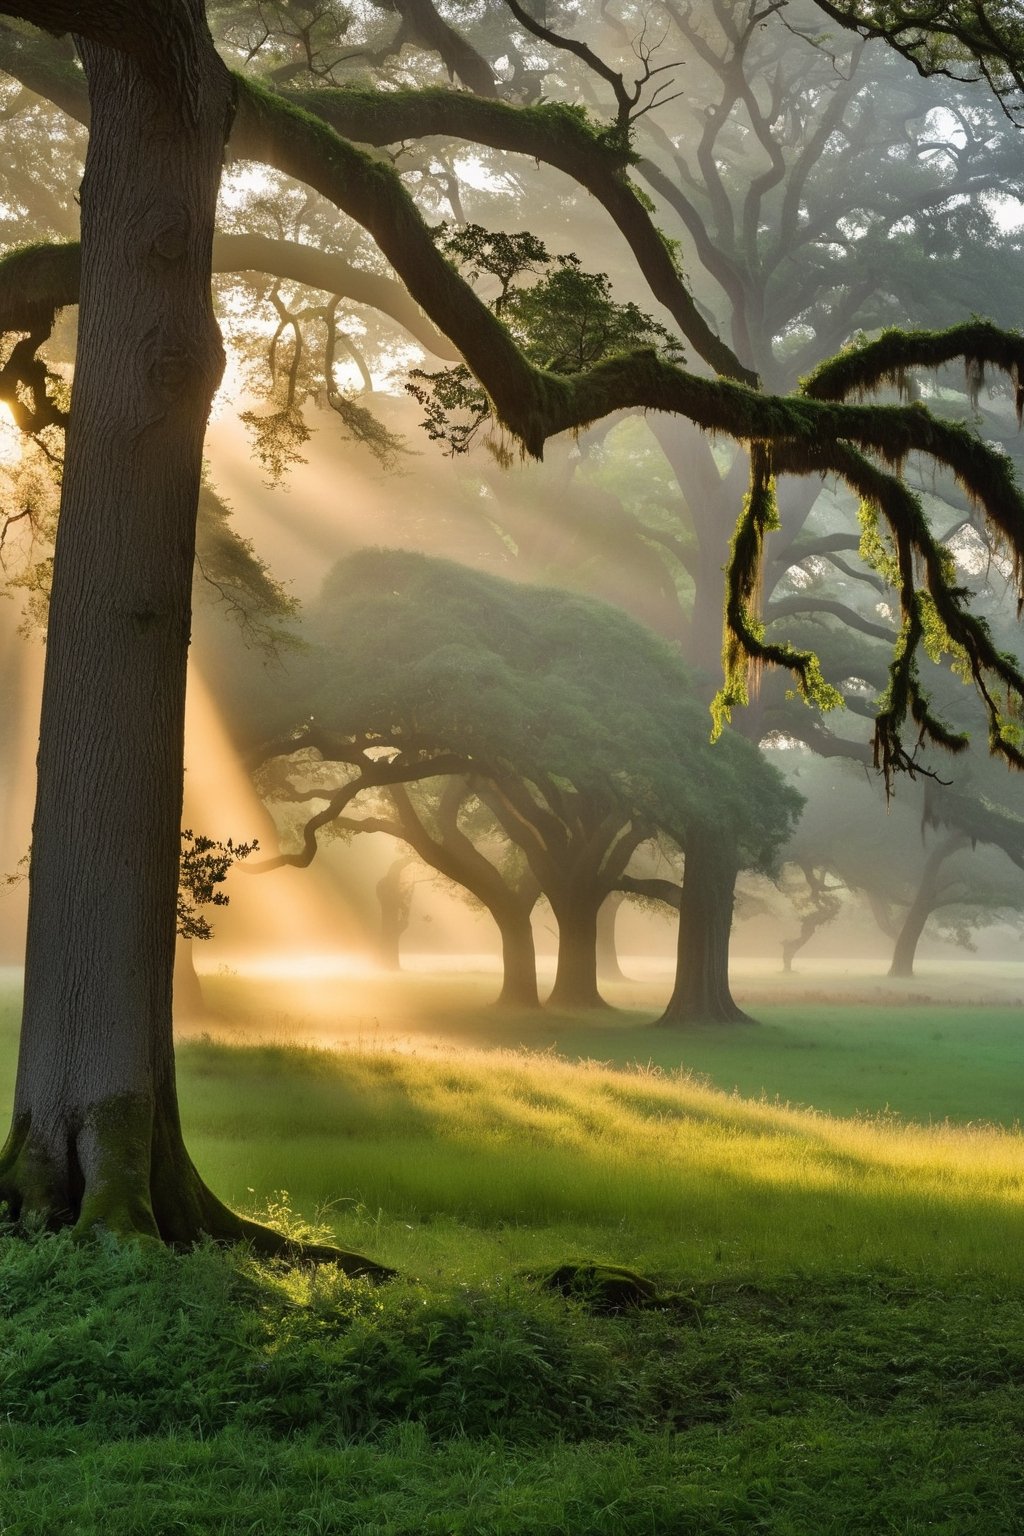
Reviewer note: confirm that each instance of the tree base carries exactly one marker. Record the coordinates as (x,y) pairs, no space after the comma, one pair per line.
(568,1001)
(680,1017)
(519,992)
(108,1181)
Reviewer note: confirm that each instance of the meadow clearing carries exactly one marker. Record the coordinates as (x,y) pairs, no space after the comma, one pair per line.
(830,1216)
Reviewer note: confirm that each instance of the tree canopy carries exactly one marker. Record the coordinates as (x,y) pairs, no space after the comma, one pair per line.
(296,127)
(966,39)
(425,656)
(578,729)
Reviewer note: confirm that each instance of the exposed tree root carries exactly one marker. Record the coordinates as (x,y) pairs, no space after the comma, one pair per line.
(138,1188)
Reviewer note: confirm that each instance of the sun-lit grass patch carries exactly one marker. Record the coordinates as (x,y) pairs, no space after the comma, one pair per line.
(662,1170)
(927,1050)
(442,1157)
(837,1348)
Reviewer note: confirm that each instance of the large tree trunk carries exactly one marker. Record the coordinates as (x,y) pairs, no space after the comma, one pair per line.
(96,1138)
(519,960)
(576,973)
(922,906)
(701,994)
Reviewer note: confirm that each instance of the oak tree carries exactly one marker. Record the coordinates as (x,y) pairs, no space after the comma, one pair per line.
(96,1135)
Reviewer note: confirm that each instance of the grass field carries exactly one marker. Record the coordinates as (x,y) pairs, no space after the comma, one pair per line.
(837,1346)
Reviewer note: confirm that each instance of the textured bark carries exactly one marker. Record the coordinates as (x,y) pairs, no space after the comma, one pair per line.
(96,1137)
(519,960)
(96,1054)
(576,973)
(701,993)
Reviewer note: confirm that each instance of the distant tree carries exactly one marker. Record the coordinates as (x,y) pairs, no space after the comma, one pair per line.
(945,851)
(394,896)
(577,730)
(964,817)
(449,830)
(817,902)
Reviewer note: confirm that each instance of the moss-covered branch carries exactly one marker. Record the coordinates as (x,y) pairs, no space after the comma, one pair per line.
(745,650)
(35,282)
(890,358)
(935,612)
(553,133)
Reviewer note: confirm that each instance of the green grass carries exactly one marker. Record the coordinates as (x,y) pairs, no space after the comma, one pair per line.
(147,1394)
(923,1063)
(533,1154)
(840,1351)
(894,1048)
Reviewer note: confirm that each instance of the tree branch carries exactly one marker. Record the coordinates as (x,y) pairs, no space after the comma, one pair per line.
(37,281)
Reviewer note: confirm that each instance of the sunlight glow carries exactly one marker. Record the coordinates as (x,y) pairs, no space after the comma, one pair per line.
(287,913)
(297,966)
(10,437)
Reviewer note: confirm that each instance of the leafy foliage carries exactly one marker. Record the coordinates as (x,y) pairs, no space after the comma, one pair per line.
(235,576)
(564,322)
(967,40)
(502,256)
(204,867)
(278,438)
(568,320)
(425,655)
